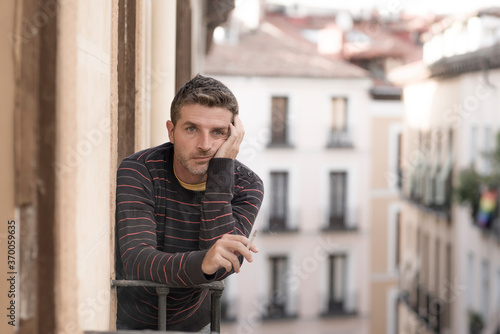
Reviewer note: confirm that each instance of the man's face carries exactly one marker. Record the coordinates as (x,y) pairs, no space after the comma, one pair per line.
(197,136)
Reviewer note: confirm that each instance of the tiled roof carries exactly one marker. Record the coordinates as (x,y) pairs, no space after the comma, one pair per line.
(271,52)
(383,43)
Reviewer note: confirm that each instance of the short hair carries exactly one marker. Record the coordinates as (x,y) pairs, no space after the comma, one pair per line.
(205,91)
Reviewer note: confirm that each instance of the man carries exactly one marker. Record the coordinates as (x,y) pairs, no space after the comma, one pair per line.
(184,210)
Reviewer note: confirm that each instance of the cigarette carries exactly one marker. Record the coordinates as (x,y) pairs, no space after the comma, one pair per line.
(251,239)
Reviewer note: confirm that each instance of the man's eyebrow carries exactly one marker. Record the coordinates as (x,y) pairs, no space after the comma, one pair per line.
(188,123)
(221,129)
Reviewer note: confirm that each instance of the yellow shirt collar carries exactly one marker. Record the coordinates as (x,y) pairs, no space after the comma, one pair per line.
(194,187)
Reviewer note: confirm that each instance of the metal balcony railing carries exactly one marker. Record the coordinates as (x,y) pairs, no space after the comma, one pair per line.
(340,138)
(341,306)
(428,308)
(216,289)
(348,220)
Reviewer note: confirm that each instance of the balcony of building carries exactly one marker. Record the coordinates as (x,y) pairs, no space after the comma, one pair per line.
(428,308)
(341,138)
(339,304)
(430,187)
(278,306)
(345,220)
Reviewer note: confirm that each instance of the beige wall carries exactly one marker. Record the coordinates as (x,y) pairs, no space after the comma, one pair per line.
(7,84)
(379,235)
(86,135)
(379,306)
(381,172)
(384,202)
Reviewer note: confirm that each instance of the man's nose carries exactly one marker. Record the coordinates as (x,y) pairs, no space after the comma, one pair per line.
(204,142)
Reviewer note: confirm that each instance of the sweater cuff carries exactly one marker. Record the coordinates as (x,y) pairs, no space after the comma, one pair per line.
(193,268)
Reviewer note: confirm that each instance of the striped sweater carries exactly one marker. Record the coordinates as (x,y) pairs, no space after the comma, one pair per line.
(163,232)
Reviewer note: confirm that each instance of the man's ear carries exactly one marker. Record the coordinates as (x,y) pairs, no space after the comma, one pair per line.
(170,128)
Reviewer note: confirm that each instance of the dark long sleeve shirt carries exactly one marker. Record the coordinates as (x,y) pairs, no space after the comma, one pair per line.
(163,232)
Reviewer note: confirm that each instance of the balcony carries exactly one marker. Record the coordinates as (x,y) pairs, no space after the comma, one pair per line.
(347,221)
(277,307)
(429,309)
(340,138)
(280,224)
(431,189)
(342,306)
(216,290)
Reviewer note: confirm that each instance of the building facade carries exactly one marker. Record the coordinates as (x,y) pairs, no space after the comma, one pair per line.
(328,150)
(84,84)
(450,274)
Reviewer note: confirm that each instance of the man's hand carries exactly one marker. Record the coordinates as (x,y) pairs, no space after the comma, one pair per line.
(224,254)
(231,147)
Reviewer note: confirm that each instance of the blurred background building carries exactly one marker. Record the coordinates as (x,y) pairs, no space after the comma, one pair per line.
(369,127)
(450,278)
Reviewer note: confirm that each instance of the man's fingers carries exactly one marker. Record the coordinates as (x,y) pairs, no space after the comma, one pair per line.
(230,260)
(224,254)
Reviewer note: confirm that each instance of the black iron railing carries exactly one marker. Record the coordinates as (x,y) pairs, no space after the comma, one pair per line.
(428,308)
(216,289)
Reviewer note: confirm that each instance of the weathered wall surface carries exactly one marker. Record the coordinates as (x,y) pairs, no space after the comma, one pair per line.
(7,96)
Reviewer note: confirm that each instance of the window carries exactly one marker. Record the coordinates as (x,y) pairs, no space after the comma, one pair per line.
(279,201)
(485,287)
(424,248)
(397,258)
(498,291)
(444,178)
(487,149)
(278,295)
(339,131)
(337,283)
(338,195)
(400,160)
(470,281)
(473,145)
(437,266)
(394,236)
(279,114)
(446,317)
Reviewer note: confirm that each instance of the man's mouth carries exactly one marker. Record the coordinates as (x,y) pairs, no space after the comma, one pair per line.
(203,158)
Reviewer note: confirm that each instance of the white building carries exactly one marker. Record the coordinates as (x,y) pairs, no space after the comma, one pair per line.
(451,118)
(307,124)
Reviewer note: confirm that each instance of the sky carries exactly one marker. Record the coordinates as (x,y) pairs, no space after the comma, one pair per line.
(436,6)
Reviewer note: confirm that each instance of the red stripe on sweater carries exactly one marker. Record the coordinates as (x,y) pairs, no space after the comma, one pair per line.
(136,219)
(125,185)
(151,268)
(173,200)
(180,266)
(215,237)
(169,236)
(126,235)
(213,202)
(253,190)
(135,170)
(194,311)
(124,202)
(143,154)
(251,204)
(207,220)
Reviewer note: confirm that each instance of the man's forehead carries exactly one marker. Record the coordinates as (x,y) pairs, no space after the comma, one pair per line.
(197,113)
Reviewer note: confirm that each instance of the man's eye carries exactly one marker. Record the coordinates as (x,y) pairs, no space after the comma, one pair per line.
(191,129)
(219,133)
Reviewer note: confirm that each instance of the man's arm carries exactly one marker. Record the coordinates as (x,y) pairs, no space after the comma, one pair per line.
(136,233)
(228,208)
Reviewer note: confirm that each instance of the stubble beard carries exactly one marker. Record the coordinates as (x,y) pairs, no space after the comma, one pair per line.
(192,166)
